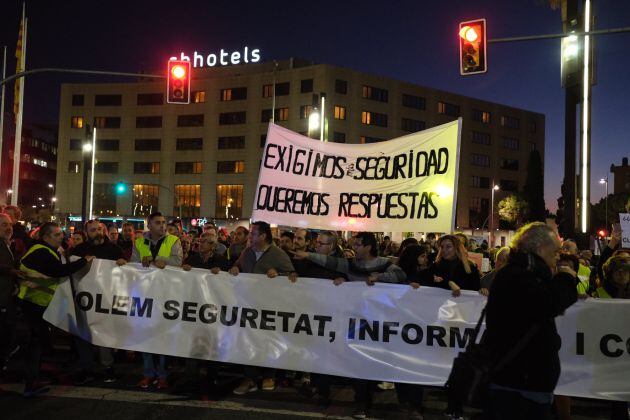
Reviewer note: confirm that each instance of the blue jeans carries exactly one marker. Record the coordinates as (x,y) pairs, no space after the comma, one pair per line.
(149,366)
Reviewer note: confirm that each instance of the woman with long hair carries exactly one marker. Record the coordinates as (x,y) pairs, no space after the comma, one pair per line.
(453,270)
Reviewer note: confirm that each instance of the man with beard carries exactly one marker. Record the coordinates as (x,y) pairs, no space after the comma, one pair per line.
(286,241)
(99,245)
(125,240)
(239,243)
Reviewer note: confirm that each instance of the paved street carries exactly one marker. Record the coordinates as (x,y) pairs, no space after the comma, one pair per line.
(123,401)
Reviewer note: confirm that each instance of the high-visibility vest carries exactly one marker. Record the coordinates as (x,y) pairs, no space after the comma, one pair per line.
(602,293)
(144,248)
(43,294)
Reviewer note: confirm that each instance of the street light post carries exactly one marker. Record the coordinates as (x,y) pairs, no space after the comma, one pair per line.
(87,151)
(491,236)
(605,181)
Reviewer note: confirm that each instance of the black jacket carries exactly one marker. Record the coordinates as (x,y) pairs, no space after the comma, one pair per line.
(523,294)
(7,279)
(42,261)
(216,260)
(308,269)
(105,251)
(454,271)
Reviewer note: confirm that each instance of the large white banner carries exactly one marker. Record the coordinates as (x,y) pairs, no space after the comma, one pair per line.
(384,332)
(405,184)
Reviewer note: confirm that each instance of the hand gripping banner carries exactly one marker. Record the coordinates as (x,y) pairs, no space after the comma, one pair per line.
(385,332)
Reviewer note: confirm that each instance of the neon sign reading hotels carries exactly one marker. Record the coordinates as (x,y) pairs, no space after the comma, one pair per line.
(222,58)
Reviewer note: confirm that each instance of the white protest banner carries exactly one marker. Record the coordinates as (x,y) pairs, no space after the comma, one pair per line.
(385,332)
(405,184)
(624,221)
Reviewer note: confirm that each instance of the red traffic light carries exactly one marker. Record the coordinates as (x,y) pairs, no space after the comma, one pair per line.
(472,47)
(601,233)
(178,82)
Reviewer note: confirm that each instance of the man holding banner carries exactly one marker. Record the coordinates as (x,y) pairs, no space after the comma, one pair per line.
(261,257)
(157,247)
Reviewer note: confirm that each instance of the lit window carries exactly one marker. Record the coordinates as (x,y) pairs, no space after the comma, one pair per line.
(76,122)
(199,97)
(229,203)
(340,112)
(187,200)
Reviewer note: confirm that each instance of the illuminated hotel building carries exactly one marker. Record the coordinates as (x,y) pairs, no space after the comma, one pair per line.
(202,159)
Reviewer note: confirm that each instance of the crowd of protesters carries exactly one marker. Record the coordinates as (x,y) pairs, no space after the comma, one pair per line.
(30,263)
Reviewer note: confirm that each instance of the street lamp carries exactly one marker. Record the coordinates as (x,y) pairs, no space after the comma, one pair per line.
(491,236)
(605,181)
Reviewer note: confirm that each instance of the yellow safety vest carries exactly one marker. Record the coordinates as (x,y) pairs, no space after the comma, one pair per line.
(44,293)
(602,293)
(144,248)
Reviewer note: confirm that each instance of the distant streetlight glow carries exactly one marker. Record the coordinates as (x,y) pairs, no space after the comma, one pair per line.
(313,120)
(87,147)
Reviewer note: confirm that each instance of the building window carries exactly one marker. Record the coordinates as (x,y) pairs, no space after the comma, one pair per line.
(412,101)
(146,145)
(367,140)
(374,93)
(480,160)
(40,162)
(341,86)
(374,118)
(282,114)
(481,116)
(78,100)
(195,120)
(107,100)
(187,167)
(198,97)
(229,202)
(104,199)
(233,94)
(107,145)
(106,167)
(146,167)
(339,137)
(149,122)
(479,181)
(107,122)
(340,112)
(451,110)
(508,185)
(76,122)
(76,144)
(229,118)
(263,140)
(282,89)
(187,200)
(233,142)
(150,99)
(306,86)
(480,138)
(478,211)
(144,200)
(510,122)
(74,166)
(508,164)
(510,143)
(412,125)
(189,144)
(532,126)
(230,167)
(305,111)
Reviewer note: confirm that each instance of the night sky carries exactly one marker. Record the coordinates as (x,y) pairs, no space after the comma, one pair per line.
(415,41)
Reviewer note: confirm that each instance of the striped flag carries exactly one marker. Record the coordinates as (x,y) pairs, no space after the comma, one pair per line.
(19,68)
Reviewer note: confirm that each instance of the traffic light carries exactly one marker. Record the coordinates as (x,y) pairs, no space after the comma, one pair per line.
(472,47)
(121,188)
(601,233)
(178,82)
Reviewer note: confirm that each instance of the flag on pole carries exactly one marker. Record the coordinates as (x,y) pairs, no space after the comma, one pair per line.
(19,66)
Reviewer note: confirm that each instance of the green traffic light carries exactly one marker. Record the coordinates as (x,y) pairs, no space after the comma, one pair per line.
(121,188)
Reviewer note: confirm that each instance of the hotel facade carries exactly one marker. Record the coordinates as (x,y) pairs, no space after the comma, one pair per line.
(201,160)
